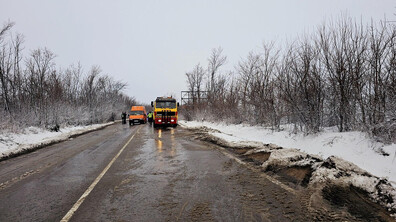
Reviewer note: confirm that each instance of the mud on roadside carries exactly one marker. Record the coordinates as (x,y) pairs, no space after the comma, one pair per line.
(338,183)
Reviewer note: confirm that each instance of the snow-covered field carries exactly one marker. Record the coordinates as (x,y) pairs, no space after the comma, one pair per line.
(356,147)
(32,137)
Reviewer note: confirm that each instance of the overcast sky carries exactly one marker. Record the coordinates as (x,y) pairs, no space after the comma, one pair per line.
(152,44)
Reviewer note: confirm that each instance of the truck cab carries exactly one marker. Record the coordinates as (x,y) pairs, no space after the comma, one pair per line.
(165,111)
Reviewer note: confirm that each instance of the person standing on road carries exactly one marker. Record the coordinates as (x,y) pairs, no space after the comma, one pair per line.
(123,116)
(150,117)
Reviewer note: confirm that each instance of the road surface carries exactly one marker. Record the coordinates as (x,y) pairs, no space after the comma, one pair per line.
(139,173)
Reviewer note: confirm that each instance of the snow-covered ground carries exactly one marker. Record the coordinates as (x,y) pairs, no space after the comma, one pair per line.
(356,147)
(32,137)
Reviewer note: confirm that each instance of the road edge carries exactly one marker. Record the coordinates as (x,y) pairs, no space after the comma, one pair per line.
(383,189)
(41,145)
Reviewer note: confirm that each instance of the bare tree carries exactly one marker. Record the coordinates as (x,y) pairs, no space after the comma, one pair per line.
(195,80)
(39,66)
(215,61)
(16,82)
(301,85)
(356,49)
(246,70)
(6,64)
(378,52)
(391,71)
(333,45)
(37,93)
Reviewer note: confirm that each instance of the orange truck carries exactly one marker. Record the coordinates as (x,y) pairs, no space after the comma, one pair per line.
(137,115)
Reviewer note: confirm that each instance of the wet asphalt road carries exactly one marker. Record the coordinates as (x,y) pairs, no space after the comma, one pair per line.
(161,175)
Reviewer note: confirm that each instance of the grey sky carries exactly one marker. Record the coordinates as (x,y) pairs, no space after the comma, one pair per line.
(152,44)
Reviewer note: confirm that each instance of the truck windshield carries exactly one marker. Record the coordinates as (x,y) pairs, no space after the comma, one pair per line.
(136,112)
(163,104)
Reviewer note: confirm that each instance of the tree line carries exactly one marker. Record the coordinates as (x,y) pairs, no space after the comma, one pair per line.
(34,92)
(343,74)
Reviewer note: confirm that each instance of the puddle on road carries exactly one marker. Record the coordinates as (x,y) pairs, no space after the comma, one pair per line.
(159,133)
(158,144)
(165,141)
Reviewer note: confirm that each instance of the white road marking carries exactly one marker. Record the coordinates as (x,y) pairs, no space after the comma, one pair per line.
(96,181)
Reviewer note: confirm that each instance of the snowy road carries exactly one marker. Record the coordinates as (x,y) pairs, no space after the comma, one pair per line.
(159,175)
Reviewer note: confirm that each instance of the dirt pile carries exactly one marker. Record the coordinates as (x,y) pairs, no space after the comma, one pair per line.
(340,182)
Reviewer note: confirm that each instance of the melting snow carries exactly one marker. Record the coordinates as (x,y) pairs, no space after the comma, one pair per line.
(348,158)
(355,147)
(32,137)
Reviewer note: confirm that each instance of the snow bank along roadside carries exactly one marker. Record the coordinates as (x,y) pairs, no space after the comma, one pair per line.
(375,157)
(309,167)
(33,138)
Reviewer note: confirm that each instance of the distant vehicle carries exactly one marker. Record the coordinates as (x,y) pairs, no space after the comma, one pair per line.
(165,111)
(137,115)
